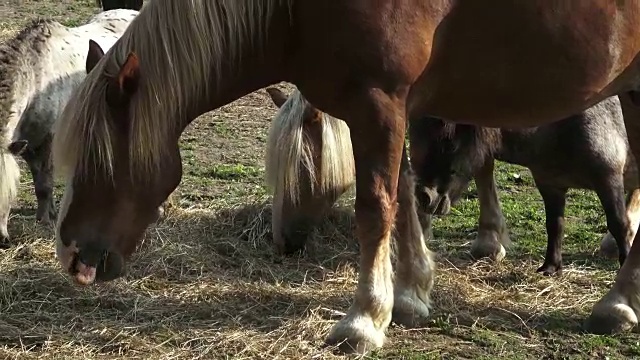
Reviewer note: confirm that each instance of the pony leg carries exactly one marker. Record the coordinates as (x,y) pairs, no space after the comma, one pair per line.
(377,138)
(416,269)
(493,234)
(618,310)
(611,195)
(609,246)
(41,167)
(554,204)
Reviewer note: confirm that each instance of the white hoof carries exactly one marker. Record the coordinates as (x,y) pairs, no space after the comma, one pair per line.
(488,247)
(611,315)
(356,334)
(410,309)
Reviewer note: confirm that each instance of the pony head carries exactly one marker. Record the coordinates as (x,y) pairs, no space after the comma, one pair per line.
(309,164)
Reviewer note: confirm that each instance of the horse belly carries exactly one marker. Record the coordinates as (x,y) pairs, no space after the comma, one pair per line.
(525,63)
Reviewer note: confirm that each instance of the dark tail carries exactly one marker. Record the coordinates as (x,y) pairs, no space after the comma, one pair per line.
(119,4)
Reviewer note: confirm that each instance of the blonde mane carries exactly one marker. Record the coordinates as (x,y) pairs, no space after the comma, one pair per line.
(180,45)
(288,152)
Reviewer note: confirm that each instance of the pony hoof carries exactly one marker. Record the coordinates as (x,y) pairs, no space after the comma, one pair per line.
(4,242)
(492,250)
(609,247)
(410,311)
(550,269)
(611,317)
(357,336)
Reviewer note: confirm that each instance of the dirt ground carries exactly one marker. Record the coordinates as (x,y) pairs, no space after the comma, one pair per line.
(206,283)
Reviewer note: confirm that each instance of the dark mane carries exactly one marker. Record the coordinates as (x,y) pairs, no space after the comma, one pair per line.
(30,39)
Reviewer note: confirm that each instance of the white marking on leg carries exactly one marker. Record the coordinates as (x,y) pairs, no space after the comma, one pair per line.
(492,229)
(415,268)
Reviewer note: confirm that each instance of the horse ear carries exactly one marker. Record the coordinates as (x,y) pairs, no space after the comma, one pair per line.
(277,96)
(17,147)
(129,74)
(94,55)
(125,83)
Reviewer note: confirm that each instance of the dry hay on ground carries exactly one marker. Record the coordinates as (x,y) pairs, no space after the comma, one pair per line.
(206,283)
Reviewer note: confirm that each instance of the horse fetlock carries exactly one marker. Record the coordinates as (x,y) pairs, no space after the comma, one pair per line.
(46,214)
(612,314)
(489,244)
(357,333)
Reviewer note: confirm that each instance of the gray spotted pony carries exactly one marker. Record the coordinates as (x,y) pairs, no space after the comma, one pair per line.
(39,69)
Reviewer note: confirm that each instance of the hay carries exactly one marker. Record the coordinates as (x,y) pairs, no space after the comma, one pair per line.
(207,285)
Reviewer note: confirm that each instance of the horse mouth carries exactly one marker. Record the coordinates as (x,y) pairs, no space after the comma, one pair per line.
(81,273)
(109,266)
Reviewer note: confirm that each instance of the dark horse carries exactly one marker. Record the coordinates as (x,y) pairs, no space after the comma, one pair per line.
(119,4)
(585,151)
(317,168)
(375,64)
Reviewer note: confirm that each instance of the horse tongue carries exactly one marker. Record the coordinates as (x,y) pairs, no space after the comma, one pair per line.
(85,274)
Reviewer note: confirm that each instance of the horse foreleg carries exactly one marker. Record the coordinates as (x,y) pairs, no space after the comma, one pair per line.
(377,137)
(41,167)
(609,246)
(618,310)
(555,200)
(493,235)
(415,269)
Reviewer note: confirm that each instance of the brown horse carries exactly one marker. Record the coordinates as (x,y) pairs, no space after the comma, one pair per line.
(375,64)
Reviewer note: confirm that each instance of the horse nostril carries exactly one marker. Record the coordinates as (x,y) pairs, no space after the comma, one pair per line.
(111,267)
(444,206)
(424,198)
(296,234)
(91,256)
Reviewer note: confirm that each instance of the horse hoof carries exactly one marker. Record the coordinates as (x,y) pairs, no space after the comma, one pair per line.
(609,247)
(410,311)
(611,316)
(355,336)
(550,269)
(492,250)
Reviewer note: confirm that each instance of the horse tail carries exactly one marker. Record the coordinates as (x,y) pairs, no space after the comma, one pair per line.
(289,152)
(9,178)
